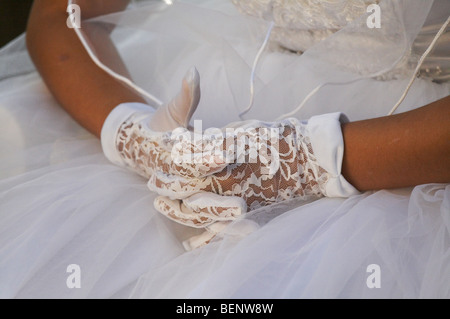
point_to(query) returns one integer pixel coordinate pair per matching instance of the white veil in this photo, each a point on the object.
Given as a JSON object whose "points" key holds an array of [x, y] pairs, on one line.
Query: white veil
{"points": [[159, 41]]}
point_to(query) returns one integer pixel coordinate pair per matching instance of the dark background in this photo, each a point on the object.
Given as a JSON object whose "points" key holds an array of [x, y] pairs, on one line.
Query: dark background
{"points": [[13, 18]]}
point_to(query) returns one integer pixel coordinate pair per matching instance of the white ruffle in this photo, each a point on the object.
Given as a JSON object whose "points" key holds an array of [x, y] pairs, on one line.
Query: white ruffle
{"points": [[328, 145]]}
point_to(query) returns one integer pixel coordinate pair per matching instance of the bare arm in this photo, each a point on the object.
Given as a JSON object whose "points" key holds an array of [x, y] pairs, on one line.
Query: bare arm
{"points": [[85, 91], [402, 150]]}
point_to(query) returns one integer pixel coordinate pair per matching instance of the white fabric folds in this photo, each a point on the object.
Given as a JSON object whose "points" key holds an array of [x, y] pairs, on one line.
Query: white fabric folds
{"points": [[63, 203]]}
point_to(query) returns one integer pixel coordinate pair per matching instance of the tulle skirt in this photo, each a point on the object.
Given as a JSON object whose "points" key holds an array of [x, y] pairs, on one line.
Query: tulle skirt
{"points": [[62, 203]]}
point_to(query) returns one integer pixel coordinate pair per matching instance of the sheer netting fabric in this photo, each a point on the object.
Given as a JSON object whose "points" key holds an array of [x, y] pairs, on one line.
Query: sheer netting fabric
{"points": [[303, 23], [330, 35]]}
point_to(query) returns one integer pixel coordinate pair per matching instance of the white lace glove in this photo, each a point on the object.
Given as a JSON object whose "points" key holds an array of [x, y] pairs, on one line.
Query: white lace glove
{"points": [[138, 137]]}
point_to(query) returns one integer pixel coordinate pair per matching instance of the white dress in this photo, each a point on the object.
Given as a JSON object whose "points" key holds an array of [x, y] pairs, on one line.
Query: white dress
{"points": [[62, 203]]}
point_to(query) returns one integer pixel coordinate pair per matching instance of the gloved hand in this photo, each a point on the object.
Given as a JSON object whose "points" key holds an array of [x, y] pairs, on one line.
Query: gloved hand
{"points": [[138, 137]]}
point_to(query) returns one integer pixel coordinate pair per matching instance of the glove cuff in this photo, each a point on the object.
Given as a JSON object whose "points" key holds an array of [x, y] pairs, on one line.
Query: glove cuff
{"points": [[327, 142], [110, 129]]}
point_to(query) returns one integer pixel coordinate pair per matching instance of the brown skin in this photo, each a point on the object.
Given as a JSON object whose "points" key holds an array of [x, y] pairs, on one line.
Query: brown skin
{"points": [[85, 91], [403, 150]]}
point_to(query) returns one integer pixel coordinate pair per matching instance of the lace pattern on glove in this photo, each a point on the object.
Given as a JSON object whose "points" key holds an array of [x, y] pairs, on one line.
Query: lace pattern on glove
{"points": [[148, 152], [248, 173]]}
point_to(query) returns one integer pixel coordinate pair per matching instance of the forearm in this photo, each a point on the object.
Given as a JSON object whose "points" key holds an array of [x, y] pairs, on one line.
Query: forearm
{"points": [[403, 150], [85, 91]]}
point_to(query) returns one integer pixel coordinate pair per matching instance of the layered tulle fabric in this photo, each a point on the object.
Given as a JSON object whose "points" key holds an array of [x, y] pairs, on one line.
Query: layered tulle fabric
{"points": [[63, 203], [322, 250]]}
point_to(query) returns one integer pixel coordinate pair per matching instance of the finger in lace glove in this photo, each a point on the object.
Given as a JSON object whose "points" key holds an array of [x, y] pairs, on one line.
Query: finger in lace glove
{"points": [[201, 209]]}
